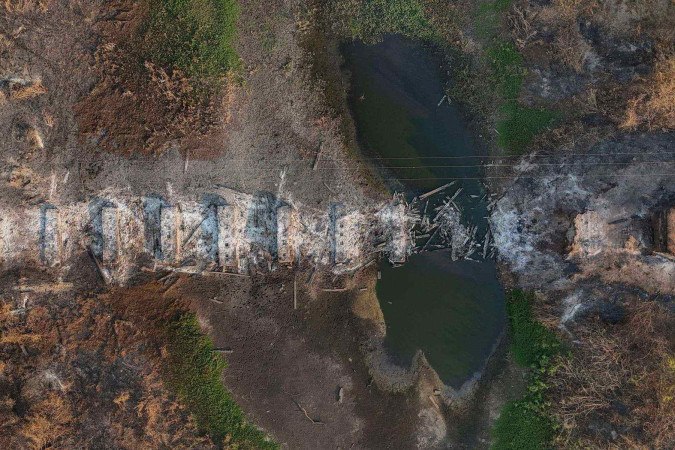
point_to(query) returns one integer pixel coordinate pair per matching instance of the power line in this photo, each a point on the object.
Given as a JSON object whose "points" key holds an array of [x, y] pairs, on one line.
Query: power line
{"points": [[269, 177], [563, 155], [628, 175], [382, 158], [457, 166]]}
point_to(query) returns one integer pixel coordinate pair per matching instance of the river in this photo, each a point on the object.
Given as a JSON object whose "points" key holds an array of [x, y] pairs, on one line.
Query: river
{"points": [[452, 310]]}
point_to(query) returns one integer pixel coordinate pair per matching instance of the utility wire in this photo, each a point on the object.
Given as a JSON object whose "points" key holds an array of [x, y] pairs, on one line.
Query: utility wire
{"points": [[458, 166], [381, 158], [491, 177], [627, 175]]}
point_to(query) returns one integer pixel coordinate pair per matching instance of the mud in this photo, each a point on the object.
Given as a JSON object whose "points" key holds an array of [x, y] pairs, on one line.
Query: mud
{"points": [[283, 360]]}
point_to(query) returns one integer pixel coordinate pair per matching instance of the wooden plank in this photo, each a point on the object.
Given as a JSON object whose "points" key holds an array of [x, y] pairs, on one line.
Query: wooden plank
{"points": [[437, 190]]}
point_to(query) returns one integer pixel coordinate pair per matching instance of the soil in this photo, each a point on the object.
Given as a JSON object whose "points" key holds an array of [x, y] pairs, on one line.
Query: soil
{"points": [[283, 360]]}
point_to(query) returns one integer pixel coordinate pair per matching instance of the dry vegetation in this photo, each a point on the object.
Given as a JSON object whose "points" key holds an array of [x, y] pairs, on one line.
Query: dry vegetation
{"points": [[569, 44], [597, 37], [137, 103], [617, 389], [162, 73], [67, 368], [140, 108], [24, 6], [654, 108]]}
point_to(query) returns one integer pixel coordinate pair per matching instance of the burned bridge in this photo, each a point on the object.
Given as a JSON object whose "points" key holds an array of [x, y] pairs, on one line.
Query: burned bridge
{"points": [[227, 231]]}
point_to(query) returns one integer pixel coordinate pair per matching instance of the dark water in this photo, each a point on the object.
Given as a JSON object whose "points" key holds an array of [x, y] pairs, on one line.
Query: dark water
{"points": [[453, 311]]}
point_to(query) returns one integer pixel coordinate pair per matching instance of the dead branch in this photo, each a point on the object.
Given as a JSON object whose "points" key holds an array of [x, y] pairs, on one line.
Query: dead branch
{"points": [[305, 413]]}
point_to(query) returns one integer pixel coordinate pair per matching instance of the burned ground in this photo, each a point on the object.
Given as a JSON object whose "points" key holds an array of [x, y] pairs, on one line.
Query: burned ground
{"points": [[84, 370], [616, 388]]}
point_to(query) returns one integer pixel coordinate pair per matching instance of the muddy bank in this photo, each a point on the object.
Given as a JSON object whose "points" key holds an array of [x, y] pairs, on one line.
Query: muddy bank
{"points": [[298, 372]]}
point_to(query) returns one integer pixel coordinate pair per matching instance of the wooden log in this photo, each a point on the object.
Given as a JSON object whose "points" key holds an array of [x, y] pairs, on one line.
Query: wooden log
{"points": [[437, 190]]}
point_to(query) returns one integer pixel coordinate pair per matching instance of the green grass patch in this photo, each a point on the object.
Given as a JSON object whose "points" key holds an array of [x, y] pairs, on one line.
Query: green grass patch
{"points": [[193, 371], [507, 69], [374, 18], [195, 36], [519, 125], [530, 340], [520, 427], [524, 423]]}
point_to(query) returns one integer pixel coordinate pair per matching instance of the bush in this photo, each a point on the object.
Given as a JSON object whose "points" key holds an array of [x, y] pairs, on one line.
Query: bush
{"points": [[530, 340], [193, 372], [195, 36], [519, 427], [525, 423]]}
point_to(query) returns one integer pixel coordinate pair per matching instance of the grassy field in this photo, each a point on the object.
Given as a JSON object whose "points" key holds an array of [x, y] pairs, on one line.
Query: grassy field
{"points": [[194, 36], [194, 372], [524, 423], [368, 20]]}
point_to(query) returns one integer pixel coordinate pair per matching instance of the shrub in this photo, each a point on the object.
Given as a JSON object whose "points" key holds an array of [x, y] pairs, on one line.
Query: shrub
{"points": [[530, 340], [520, 427]]}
